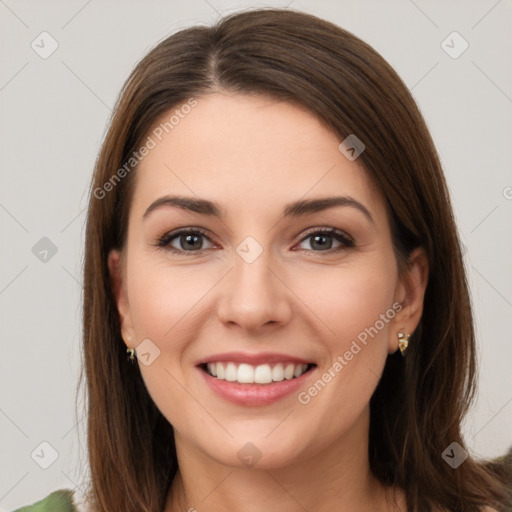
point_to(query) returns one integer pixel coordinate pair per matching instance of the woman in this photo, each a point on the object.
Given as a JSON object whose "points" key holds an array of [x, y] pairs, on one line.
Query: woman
{"points": [[270, 239]]}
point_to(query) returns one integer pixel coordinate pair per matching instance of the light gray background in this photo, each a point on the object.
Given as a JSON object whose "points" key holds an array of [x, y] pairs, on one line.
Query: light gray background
{"points": [[54, 114]]}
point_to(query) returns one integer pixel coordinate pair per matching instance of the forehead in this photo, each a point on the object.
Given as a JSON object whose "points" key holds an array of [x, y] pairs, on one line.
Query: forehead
{"points": [[251, 153]]}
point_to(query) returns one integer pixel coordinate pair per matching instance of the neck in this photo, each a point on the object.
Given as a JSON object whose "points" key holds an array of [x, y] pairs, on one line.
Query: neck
{"points": [[338, 478]]}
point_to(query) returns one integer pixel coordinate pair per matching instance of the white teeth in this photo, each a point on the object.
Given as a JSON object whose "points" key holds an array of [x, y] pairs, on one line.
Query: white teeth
{"points": [[278, 373], [231, 373], [288, 371], [221, 374], [212, 368], [245, 374], [299, 370], [261, 374]]}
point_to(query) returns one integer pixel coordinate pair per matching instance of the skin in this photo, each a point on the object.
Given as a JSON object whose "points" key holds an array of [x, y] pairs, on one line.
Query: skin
{"points": [[253, 155]]}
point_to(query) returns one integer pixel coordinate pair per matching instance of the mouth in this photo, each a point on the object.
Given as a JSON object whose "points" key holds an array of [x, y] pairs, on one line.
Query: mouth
{"points": [[255, 379], [267, 373]]}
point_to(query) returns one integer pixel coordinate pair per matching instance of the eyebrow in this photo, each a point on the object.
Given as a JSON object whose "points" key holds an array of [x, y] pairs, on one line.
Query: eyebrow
{"points": [[294, 209]]}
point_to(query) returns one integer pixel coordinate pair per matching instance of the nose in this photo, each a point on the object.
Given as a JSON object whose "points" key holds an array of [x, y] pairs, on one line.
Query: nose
{"points": [[254, 296]]}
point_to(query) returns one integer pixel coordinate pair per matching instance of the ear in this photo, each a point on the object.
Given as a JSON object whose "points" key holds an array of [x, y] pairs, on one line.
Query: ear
{"points": [[115, 266], [410, 293]]}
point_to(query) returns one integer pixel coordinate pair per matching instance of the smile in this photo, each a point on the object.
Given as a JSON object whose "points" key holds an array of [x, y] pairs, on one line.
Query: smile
{"points": [[255, 380], [244, 373]]}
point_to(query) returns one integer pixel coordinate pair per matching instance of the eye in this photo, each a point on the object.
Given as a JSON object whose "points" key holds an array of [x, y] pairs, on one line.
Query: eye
{"points": [[191, 241], [322, 240], [187, 240]]}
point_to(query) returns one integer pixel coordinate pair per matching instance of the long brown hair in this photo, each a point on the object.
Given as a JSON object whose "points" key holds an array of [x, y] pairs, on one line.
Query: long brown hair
{"points": [[418, 406]]}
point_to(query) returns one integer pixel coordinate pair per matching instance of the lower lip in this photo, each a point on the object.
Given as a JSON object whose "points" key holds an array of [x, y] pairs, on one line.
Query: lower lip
{"points": [[255, 394]]}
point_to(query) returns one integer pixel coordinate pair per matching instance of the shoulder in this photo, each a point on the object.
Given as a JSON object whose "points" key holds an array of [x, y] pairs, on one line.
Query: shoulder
{"points": [[63, 500]]}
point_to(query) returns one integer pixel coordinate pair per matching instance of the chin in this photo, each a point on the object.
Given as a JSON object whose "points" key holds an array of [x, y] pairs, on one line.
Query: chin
{"points": [[257, 455]]}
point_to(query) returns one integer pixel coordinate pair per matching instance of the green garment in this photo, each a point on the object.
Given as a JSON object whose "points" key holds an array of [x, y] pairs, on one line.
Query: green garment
{"points": [[58, 501]]}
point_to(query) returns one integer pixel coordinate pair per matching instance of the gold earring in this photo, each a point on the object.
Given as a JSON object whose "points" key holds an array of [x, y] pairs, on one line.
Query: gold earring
{"points": [[131, 354], [403, 342]]}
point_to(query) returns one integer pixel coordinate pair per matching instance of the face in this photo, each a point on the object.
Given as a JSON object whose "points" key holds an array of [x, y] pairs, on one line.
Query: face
{"points": [[305, 302]]}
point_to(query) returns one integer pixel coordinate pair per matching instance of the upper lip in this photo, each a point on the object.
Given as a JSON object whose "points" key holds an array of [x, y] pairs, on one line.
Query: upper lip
{"points": [[253, 359]]}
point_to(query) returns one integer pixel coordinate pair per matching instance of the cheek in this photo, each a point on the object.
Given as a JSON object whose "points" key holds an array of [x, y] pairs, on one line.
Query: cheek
{"points": [[355, 305], [349, 300], [163, 299], [163, 303]]}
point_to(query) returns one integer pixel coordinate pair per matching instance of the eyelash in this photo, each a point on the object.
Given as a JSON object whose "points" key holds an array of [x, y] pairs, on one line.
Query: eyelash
{"points": [[346, 241]]}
